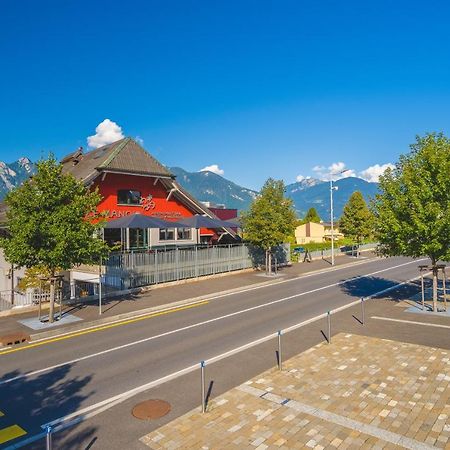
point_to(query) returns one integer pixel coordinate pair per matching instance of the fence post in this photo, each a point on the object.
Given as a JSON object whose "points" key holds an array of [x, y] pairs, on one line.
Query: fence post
{"points": [[48, 438], [196, 262], [100, 288], [280, 359], [156, 267], [329, 326], [177, 262], [362, 311], [202, 374], [229, 257]]}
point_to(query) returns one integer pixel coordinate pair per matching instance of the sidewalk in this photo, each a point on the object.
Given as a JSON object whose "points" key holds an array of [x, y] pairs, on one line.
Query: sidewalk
{"points": [[165, 296], [359, 392]]}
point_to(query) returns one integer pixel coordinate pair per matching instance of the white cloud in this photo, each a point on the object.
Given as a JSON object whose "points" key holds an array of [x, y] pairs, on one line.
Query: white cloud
{"points": [[105, 133], [373, 173], [139, 140], [338, 170], [212, 168]]}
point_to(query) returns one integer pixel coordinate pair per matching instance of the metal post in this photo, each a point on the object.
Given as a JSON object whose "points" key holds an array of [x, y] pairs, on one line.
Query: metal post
{"points": [[12, 284], [60, 297], [48, 438], [177, 262], [423, 290], [40, 300], [100, 288], [329, 326], [332, 221], [196, 261], [362, 311], [280, 360], [156, 267], [202, 372]]}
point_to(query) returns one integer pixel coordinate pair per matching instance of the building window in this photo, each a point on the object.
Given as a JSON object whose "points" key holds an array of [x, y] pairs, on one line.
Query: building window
{"points": [[183, 234], [137, 237], [167, 234], [128, 197]]}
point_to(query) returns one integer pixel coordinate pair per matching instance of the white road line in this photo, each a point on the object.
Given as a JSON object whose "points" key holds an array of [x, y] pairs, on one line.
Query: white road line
{"points": [[97, 408], [228, 294], [206, 322], [436, 325], [338, 419]]}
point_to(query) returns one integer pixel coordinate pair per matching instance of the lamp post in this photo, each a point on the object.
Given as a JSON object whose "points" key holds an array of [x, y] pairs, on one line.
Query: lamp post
{"points": [[333, 188]]}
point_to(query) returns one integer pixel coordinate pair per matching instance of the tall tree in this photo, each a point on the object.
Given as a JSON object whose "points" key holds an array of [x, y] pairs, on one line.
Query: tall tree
{"points": [[48, 226], [356, 221], [311, 216], [270, 220], [413, 208]]}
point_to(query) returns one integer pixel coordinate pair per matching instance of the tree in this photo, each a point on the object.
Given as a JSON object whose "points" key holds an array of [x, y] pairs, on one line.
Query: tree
{"points": [[412, 210], [356, 221], [48, 224], [270, 220], [311, 216]]}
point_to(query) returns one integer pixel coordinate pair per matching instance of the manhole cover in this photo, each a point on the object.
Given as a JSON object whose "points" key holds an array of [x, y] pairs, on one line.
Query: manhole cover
{"points": [[151, 409]]}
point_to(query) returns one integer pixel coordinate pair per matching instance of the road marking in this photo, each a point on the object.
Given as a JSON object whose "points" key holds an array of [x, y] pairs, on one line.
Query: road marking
{"points": [[12, 432], [195, 325], [215, 297], [104, 405], [338, 419], [240, 291], [436, 325], [101, 328]]}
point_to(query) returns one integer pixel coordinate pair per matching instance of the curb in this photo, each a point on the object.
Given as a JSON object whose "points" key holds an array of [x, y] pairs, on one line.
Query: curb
{"points": [[160, 308], [141, 312]]}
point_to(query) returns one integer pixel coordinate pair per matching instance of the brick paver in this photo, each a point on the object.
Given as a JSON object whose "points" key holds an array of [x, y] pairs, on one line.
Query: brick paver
{"points": [[358, 392]]}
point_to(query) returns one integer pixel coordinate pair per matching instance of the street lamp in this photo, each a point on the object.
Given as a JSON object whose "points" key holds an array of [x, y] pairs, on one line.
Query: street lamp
{"points": [[333, 188]]}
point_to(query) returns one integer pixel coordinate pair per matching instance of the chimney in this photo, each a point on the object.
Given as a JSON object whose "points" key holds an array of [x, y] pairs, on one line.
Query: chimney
{"points": [[78, 156]]}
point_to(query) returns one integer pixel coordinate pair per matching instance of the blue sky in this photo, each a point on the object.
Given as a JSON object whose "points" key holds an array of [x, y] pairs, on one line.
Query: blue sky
{"points": [[258, 88]]}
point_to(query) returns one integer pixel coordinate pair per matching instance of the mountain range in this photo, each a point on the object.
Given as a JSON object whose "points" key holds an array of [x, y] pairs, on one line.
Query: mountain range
{"points": [[14, 174], [209, 187], [310, 192]]}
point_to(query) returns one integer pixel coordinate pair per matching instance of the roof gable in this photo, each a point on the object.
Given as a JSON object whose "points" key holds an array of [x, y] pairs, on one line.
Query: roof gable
{"points": [[125, 156]]}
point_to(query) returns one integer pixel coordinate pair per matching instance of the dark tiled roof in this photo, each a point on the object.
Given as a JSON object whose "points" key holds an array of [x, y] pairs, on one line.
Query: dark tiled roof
{"points": [[125, 155]]}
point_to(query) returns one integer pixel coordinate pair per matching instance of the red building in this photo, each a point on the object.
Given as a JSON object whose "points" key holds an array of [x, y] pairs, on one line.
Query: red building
{"points": [[131, 181]]}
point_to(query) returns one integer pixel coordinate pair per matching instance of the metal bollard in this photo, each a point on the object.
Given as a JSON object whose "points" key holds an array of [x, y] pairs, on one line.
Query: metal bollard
{"points": [[423, 291], [363, 318], [329, 326], [280, 360], [202, 371], [48, 438]]}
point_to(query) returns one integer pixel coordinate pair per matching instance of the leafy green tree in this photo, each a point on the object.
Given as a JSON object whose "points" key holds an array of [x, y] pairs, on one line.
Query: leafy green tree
{"points": [[48, 225], [356, 221], [412, 210], [311, 216], [270, 220]]}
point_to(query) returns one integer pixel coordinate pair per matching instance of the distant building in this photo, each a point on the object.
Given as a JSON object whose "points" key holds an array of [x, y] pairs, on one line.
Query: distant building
{"points": [[316, 232], [219, 210]]}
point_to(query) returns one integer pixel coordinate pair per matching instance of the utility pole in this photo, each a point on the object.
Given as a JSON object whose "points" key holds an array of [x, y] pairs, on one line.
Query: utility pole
{"points": [[332, 219], [333, 188]]}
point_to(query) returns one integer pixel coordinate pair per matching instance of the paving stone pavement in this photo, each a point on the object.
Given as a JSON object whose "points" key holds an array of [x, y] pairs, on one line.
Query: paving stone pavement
{"points": [[355, 393]]}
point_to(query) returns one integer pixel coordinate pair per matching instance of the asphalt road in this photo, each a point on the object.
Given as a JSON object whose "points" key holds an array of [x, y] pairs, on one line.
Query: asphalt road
{"points": [[41, 384]]}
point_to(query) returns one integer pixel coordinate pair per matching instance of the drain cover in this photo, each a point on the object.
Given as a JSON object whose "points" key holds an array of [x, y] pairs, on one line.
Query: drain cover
{"points": [[151, 409]]}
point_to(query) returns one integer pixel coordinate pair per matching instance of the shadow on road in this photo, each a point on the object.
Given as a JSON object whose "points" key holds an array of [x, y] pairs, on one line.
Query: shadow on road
{"points": [[34, 401], [363, 287]]}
